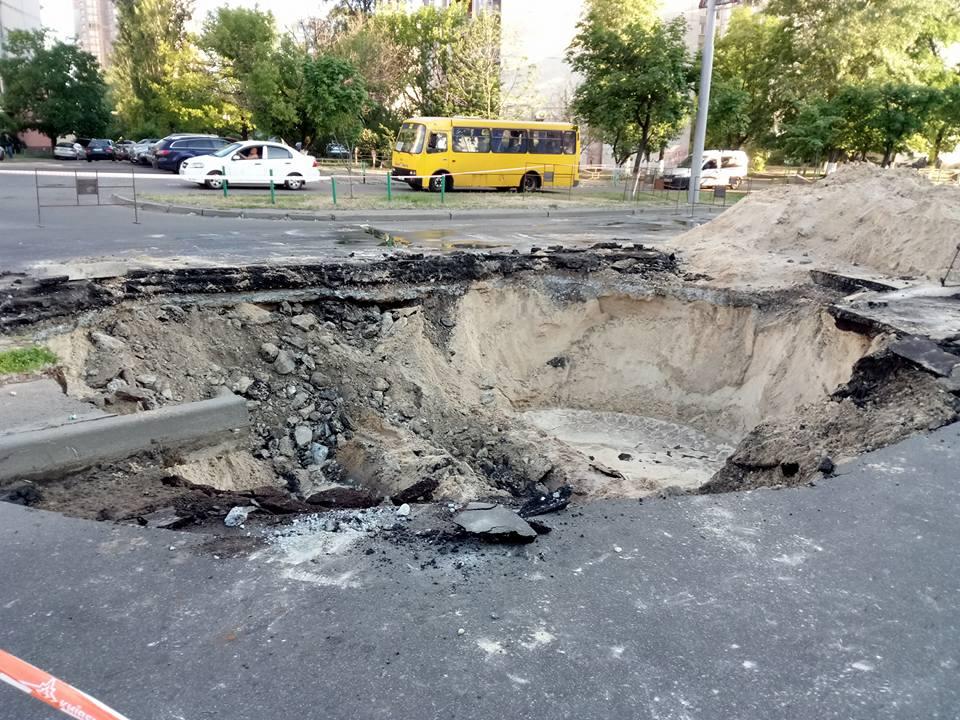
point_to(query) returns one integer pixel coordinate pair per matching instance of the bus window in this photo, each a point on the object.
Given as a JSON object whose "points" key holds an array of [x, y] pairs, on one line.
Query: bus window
{"points": [[471, 140], [437, 143], [569, 142], [546, 142], [410, 138], [509, 141]]}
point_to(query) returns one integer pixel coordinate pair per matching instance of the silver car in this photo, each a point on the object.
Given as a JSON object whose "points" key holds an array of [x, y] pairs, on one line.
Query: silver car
{"points": [[139, 151], [68, 151]]}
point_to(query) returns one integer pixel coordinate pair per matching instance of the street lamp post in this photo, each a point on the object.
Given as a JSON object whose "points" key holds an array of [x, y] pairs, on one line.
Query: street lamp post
{"points": [[703, 101]]}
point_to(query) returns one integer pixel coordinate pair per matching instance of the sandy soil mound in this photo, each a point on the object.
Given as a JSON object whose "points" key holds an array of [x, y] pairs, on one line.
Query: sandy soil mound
{"points": [[893, 222]]}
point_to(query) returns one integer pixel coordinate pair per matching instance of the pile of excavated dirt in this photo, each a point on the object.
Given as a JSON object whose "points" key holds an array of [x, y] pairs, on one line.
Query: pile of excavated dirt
{"points": [[863, 218]]}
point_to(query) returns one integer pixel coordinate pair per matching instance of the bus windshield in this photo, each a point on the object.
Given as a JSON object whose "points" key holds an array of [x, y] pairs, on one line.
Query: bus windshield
{"points": [[410, 138]]}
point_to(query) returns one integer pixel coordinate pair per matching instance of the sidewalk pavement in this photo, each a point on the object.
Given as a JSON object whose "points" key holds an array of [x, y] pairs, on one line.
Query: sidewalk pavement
{"points": [[361, 216]]}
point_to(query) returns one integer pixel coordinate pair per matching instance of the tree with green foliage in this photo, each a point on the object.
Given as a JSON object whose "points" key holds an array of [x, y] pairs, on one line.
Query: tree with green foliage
{"points": [[942, 129], [450, 59], [813, 133], [730, 117], [858, 120], [343, 12], [637, 79], [54, 88], [242, 43], [901, 111], [829, 45], [795, 53], [160, 81], [335, 97], [746, 97]]}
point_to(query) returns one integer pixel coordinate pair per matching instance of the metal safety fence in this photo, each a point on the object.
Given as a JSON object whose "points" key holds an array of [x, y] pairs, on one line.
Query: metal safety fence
{"points": [[82, 189]]}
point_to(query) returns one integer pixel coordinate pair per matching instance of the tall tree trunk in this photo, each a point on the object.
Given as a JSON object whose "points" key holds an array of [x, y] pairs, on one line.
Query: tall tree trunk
{"points": [[937, 147], [641, 151]]}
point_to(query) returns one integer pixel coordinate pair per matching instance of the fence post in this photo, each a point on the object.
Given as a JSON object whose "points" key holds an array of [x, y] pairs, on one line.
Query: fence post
{"points": [[443, 190], [389, 187], [223, 171], [136, 211], [333, 188], [273, 190], [36, 184], [350, 180]]}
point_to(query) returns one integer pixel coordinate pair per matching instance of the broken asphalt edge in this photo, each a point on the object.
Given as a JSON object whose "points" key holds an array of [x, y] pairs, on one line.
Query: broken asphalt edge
{"points": [[55, 451], [363, 215]]}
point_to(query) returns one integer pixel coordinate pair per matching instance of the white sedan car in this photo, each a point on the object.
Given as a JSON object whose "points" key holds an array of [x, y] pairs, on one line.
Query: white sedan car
{"points": [[68, 151], [252, 162]]}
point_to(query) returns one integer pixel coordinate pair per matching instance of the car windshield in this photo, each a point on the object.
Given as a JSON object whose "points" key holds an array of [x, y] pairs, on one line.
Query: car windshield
{"points": [[410, 138], [227, 150]]}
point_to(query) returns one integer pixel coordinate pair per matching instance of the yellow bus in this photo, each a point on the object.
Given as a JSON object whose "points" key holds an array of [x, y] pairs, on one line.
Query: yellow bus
{"points": [[470, 152]]}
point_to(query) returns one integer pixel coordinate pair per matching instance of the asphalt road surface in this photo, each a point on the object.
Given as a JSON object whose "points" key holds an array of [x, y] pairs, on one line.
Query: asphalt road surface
{"points": [[95, 233], [834, 602]]}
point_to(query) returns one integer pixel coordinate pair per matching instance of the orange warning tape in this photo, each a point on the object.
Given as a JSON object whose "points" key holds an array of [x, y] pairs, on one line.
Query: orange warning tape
{"points": [[54, 692]]}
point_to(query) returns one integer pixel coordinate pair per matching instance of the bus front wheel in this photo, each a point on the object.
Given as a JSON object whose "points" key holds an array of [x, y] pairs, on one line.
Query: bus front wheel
{"points": [[529, 182], [439, 180]]}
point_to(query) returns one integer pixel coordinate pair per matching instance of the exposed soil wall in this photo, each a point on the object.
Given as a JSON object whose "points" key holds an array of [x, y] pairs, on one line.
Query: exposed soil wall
{"points": [[719, 368]]}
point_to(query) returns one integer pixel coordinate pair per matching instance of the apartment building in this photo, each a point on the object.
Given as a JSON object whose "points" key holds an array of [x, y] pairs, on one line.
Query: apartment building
{"points": [[95, 25]]}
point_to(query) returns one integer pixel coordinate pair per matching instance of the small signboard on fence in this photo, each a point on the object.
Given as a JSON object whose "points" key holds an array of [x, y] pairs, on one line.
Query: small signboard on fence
{"points": [[720, 191], [88, 186]]}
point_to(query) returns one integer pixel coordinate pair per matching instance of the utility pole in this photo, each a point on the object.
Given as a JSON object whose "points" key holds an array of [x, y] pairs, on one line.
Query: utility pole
{"points": [[703, 101]]}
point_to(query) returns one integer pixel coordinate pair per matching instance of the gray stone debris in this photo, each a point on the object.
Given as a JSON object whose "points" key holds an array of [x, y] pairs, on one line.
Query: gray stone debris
{"points": [[269, 352], [238, 515], [107, 342], [304, 322], [302, 435], [242, 384], [284, 364], [147, 380], [494, 522]]}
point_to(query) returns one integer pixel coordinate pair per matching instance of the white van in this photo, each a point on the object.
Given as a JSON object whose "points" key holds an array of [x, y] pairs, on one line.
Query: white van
{"points": [[720, 167]]}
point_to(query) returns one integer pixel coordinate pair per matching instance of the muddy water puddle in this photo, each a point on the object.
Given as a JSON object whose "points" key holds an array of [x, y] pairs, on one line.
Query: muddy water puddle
{"points": [[644, 450]]}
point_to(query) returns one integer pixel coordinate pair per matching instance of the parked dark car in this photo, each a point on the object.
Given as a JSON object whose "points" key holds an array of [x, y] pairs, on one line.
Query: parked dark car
{"points": [[100, 150], [173, 150]]}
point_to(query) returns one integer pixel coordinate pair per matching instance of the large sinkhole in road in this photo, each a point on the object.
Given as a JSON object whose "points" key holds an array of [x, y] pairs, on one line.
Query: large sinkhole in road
{"points": [[464, 390], [652, 391]]}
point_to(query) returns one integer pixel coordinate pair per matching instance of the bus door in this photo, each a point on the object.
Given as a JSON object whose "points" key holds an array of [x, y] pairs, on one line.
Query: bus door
{"points": [[546, 150], [471, 157]]}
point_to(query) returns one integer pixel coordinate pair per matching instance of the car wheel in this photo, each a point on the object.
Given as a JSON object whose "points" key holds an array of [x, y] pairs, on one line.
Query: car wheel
{"points": [[441, 180], [529, 182], [735, 182], [215, 180], [294, 182]]}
